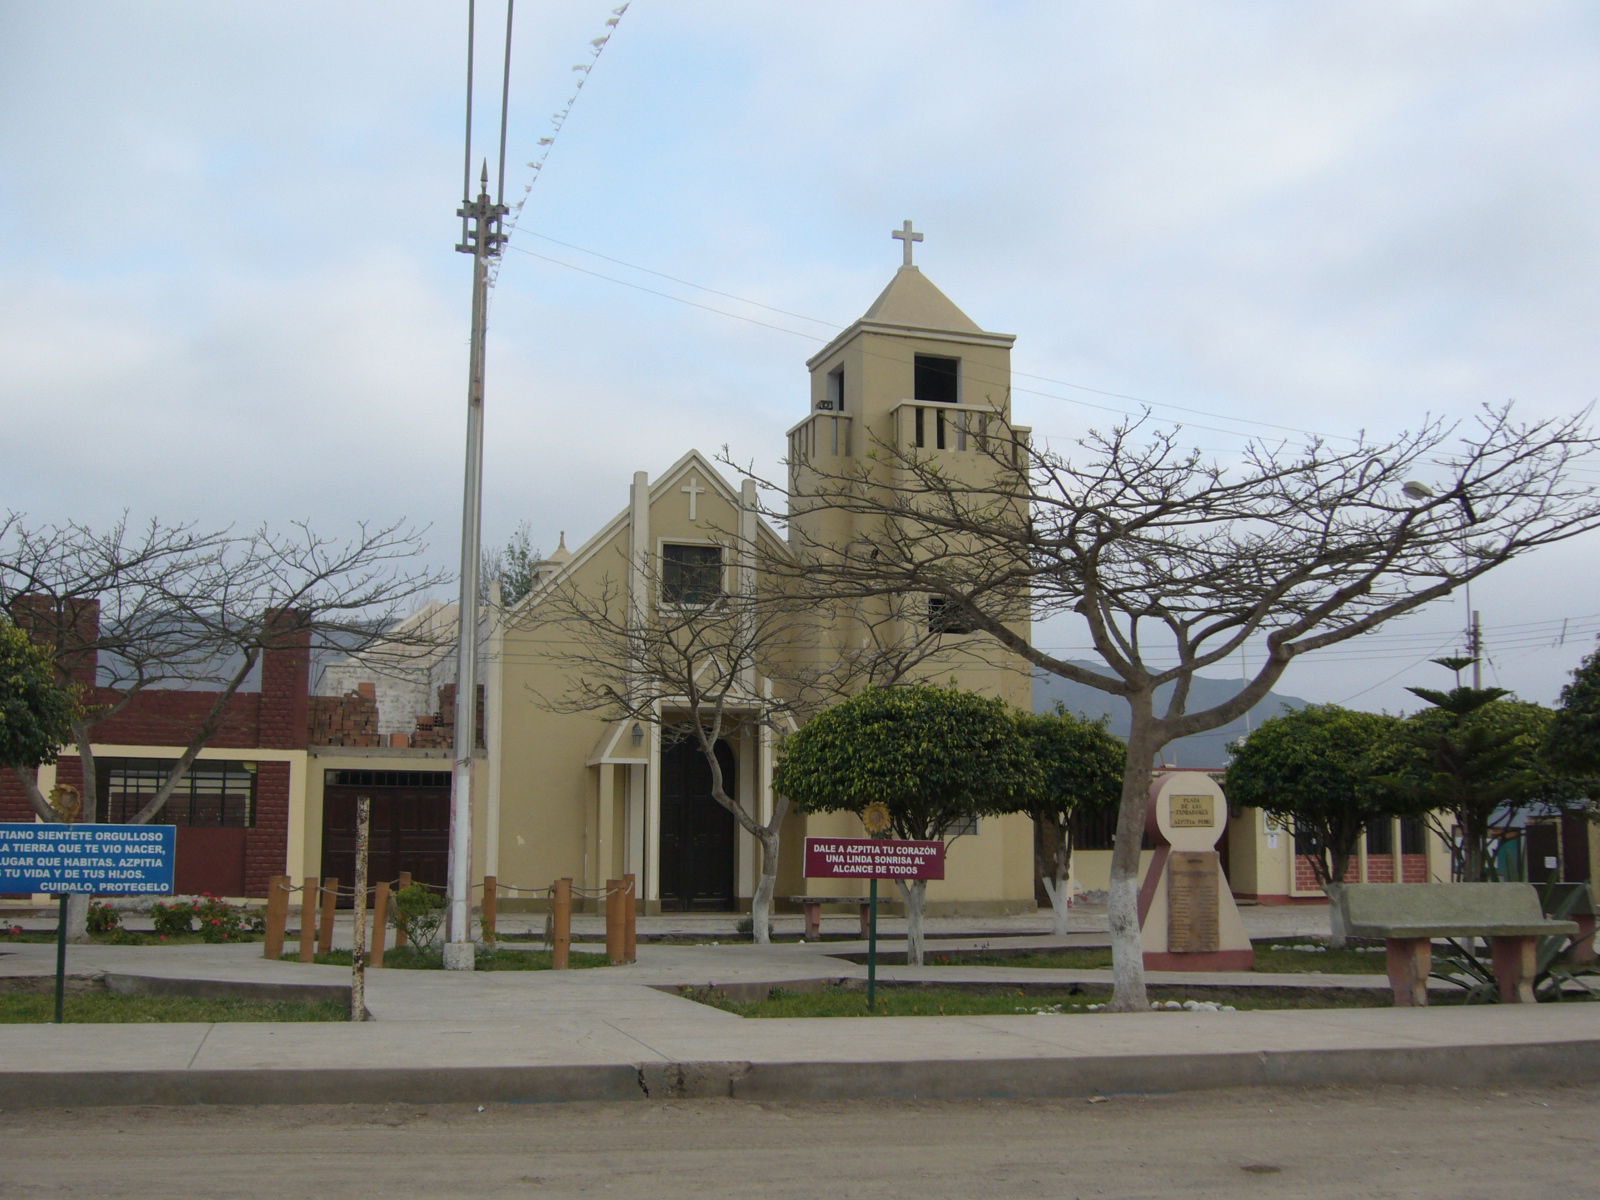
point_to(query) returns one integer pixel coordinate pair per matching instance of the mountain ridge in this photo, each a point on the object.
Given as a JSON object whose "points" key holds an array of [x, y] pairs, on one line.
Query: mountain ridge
{"points": [[1199, 751]]}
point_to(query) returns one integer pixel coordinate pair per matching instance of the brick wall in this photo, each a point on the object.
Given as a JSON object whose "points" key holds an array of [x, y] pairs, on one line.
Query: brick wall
{"points": [[69, 624], [1305, 874], [1380, 868], [266, 844], [1413, 868], [285, 682], [277, 717], [273, 718], [347, 720], [438, 731], [164, 717]]}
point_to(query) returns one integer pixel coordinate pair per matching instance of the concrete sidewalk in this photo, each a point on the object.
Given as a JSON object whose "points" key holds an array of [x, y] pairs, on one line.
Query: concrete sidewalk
{"points": [[622, 1033]]}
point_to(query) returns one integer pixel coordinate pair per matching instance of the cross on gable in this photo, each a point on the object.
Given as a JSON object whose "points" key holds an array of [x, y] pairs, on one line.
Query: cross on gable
{"points": [[695, 492], [906, 235]]}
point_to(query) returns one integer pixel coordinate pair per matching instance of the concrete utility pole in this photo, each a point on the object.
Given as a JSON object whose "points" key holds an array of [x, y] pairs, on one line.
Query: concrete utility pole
{"points": [[482, 239]]}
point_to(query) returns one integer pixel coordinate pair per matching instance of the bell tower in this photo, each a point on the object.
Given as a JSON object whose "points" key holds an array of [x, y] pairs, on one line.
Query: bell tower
{"points": [[913, 371], [913, 377]]}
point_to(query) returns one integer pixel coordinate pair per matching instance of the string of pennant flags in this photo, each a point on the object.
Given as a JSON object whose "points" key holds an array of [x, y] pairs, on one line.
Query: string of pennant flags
{"points": [[557, 120]]}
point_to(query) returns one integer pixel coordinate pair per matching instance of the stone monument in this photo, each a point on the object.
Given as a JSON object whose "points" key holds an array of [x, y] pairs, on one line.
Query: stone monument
{"points": [[1187, 917]]}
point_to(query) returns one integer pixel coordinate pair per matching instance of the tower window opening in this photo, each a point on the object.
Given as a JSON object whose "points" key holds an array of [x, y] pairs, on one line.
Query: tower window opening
{"points": [[945, 616], [936, 380]]}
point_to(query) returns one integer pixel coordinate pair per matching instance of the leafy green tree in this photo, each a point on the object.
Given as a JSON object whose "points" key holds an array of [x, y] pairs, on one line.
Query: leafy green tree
{"points": [[1082, 762], [1320, 769], [936, 757], [36, 712], [1574, 741], [1473, 754], [514, 565]]}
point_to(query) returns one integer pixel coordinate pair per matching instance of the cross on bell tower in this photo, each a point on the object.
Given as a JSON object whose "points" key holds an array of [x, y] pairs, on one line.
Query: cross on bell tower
{"points": [[906, 235]]}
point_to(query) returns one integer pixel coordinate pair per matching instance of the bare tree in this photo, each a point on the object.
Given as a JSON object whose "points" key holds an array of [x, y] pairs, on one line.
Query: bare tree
{"points": [[705, 666], [1174, 562], [130, 609]]}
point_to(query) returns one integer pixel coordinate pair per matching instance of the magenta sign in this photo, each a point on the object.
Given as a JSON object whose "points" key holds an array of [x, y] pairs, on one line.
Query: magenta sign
{"points": [[873, 858]]}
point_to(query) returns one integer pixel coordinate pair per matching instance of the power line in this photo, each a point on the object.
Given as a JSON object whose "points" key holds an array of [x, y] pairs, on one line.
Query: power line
{"points": [[1109, 394]]}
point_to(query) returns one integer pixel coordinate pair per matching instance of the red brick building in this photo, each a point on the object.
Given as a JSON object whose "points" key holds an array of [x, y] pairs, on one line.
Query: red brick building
{"points": [[233, 808]]}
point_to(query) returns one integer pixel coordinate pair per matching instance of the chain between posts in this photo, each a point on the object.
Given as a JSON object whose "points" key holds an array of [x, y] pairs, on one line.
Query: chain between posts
{"points": [[319, 899]]}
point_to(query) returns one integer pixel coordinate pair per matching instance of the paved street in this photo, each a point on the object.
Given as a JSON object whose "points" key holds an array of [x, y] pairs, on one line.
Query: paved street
{"points": [[1288, 1144]]}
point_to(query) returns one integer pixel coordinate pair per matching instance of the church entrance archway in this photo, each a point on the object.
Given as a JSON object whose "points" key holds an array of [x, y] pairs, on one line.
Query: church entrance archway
{"points": [[698, 835]]}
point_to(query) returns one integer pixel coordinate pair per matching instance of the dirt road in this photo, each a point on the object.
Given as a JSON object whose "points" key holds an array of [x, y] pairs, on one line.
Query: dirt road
{"points": [[1340, 1143]]}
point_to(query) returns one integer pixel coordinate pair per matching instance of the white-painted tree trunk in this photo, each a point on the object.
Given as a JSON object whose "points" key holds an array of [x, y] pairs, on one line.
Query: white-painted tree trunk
{"points": [[916, 893], [78, 917], [1122, 903], [761, 902], [1338, 936], [1060, 910]]}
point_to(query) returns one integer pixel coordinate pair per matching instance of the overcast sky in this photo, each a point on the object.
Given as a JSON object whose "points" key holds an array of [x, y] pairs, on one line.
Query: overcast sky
{"points": [[228, 290]]}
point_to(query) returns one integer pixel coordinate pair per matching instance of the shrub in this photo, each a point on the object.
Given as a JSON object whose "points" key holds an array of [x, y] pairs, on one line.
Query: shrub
{"points": [[103, 918], [218, 920], [172, 920], [417, 911]]}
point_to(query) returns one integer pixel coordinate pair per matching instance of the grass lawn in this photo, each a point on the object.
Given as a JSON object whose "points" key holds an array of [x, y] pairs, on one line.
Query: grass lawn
{"points": [[105, 1008], [1334, 962], [409, 958], [963, 1002]]}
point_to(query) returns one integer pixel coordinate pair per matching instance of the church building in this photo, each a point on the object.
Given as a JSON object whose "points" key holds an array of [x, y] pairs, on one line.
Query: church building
{"points": [[596, 794]]}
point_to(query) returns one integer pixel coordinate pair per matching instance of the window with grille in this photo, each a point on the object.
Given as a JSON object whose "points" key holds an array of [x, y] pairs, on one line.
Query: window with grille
{"points": [[212, 793], [1413, 836]]}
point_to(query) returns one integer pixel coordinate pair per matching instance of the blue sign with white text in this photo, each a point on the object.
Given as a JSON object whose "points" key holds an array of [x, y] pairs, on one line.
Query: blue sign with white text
{"points": [[120, 860]]}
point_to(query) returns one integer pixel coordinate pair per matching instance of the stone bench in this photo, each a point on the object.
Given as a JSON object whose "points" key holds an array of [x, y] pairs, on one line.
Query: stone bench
{"points": [[812, 907], [1408, 916]]}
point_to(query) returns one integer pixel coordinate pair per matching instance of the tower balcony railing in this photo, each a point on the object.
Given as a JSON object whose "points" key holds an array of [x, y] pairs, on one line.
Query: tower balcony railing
{"points": [[917, 426], [923, 425], [824, 433]]}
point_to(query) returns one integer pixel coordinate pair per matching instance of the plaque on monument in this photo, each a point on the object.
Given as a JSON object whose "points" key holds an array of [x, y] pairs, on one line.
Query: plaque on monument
{"points": [[1192, 812], [1193, 918]]}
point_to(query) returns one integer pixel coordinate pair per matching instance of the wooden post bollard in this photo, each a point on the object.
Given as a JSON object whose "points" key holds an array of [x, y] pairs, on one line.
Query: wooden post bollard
{"points": [[380, 921], [277, 916], [358, 912], [330, 900], [614, 921], [308, 918], [630, 919], [491, 909], [561, 943], [400, 938]]}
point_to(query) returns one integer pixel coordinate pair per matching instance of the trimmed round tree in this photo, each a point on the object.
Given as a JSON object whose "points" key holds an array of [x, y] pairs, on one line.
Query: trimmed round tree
{"points": [[936, 757], [1574, 737], [1318, 770], [1082, 762], [36, 712]]}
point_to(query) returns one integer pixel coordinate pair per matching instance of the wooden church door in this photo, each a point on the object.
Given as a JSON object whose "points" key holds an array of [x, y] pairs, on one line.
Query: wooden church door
{"points": [[697, 834]]}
